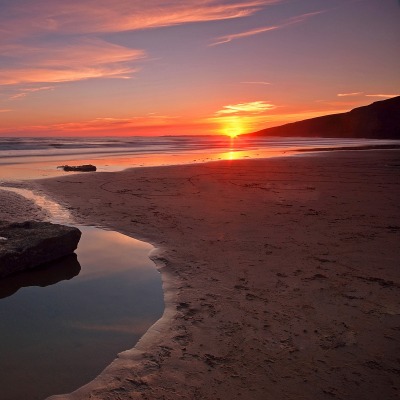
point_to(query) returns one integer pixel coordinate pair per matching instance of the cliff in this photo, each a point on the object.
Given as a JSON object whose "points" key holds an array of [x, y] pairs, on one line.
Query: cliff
{"points": [[379, 120]]}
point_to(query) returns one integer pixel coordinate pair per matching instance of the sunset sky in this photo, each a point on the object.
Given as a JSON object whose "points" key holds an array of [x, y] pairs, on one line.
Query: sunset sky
{"points": [[133, 67]]}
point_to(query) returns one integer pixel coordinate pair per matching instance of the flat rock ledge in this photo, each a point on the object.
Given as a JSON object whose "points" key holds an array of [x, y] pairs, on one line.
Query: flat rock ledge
{"points": [[30, 244]]}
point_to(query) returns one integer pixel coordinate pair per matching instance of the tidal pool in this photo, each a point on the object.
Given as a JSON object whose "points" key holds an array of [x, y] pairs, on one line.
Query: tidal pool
{"points": [[60, 326]]}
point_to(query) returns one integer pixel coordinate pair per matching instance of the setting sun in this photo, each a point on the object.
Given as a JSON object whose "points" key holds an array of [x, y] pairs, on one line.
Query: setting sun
{"points": [[233, 126]]}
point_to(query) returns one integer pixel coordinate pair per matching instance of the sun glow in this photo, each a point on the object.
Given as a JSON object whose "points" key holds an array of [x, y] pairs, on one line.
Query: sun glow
{"points": [[233, 126]]}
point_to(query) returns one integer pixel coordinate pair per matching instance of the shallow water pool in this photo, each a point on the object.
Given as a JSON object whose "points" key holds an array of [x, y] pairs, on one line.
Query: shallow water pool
{"points": [[61, 326]]}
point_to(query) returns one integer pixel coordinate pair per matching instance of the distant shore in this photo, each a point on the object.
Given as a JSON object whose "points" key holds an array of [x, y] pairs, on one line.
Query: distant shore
{"points": [[280, 276]]}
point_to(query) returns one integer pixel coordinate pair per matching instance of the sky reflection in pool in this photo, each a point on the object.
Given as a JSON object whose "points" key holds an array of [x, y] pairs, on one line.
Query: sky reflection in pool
{"points": [[56, 338]]}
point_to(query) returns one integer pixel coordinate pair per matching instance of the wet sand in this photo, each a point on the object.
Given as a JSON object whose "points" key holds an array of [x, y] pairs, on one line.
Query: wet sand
{"points": [[18, 209], [281, 276]]}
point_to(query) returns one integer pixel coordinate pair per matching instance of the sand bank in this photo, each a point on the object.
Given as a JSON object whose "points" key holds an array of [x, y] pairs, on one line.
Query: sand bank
{"points": [[281, 276]]}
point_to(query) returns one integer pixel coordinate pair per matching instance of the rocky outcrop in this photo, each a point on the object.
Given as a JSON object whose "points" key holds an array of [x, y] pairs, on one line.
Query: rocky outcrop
{"points": [[30, 244], [379, 120], [79, 168]]}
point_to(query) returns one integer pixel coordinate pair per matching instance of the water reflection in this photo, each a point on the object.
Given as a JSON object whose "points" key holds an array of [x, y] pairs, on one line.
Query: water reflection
{"points": [[56, 338], [48, 274], [30, 158]]}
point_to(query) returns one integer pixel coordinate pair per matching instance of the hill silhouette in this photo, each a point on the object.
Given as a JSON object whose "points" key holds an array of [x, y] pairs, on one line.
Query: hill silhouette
{"points": [[379, 120]]}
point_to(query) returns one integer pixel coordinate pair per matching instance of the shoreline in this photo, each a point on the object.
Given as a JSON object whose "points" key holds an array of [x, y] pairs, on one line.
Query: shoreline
{"points": [[47, 167], [277, 310]]}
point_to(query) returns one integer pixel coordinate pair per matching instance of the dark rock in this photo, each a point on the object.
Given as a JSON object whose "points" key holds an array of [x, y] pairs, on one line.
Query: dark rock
{"points": [[30, 244], [81, 168], [379, 120]]}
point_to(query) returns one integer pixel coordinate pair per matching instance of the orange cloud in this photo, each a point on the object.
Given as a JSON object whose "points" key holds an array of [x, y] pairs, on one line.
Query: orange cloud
{"points": [[254, 107], [77, 61], [92, 58], [104, 124], [91, 16], [236, 119], [256, 83], [350, 94], [385, 96], [61, 75], [148, 125], [257, 31]]}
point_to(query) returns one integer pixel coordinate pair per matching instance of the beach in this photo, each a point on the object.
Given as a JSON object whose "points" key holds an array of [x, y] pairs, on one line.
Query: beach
{"points": [[280, 275]]}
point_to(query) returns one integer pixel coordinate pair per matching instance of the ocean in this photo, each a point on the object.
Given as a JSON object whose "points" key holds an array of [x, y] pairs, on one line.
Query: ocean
{"points": [[37, 157]]}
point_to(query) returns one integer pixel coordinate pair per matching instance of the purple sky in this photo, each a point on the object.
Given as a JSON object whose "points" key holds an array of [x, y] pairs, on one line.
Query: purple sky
{"points": [[129, 67]]}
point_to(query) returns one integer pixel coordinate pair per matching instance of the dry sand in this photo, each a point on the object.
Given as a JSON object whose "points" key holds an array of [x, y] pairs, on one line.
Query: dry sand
{"points": [[281, 276]]}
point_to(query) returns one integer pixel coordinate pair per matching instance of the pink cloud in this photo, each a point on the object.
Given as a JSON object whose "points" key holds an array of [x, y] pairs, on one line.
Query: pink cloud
{"points": [[26, 91], [81, 60], [93, 16], [26, 23], [257, 31]]}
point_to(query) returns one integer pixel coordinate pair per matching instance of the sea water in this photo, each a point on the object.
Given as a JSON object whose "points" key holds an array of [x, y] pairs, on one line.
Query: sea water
{"points": [[39, 157]]}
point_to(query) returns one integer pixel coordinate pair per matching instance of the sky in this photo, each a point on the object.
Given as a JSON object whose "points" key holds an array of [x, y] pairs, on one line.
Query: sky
{"points": [[133, 67]]}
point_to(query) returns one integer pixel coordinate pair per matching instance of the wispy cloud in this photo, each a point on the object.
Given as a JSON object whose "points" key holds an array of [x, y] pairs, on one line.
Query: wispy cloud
{"points": [[350, 94], [94, 16], [256, 83], [386, 96], [229, 38], [254, 107], [5, 110], [38, 39], [257, 31], [26, 91], [76, 61]]}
